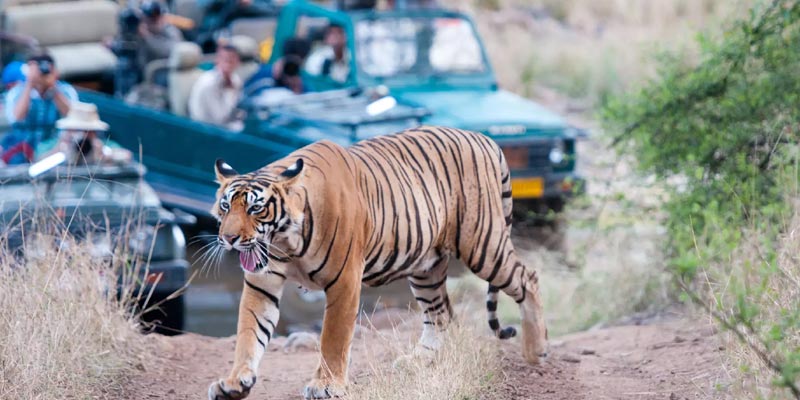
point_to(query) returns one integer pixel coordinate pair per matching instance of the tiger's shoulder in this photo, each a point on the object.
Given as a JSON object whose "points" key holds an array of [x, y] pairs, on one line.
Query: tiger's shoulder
{"points": [[320, 155]]}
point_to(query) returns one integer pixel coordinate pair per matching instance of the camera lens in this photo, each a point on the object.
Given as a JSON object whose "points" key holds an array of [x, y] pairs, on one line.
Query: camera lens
{"points": [[291, 69], [291, 66], [45, 67]]}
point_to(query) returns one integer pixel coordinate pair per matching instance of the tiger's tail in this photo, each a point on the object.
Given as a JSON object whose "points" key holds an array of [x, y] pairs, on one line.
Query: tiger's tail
{"points": [[494, 324], [492, 294]]}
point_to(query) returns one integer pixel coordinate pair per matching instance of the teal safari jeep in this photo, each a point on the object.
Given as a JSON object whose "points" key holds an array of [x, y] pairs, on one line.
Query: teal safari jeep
{"points": [[434, 59], [430, 63]]}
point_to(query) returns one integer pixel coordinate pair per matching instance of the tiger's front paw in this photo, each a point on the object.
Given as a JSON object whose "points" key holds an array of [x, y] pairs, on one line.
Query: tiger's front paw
{"points": [[233, 388], [322, 389]]}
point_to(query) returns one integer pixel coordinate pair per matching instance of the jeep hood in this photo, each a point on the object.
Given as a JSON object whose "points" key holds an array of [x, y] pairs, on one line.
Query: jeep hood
{"points": [[481, 109]]}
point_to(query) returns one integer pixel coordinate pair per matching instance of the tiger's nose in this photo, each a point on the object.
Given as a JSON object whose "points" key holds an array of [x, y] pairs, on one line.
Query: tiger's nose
{"points": [[229, 239]]}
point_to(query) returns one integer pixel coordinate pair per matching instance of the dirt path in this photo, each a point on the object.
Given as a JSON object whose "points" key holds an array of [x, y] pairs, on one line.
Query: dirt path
{"points": [[670, 360]]}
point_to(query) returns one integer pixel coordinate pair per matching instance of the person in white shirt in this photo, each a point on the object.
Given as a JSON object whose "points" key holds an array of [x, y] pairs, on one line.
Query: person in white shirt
{"points": [[216, 93], [331, 60]]}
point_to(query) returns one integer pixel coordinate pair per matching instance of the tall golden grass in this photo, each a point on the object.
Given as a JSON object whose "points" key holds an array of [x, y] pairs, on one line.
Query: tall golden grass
{"points": [[777, 289], [586, 49], [465, 366], [64, 334]]}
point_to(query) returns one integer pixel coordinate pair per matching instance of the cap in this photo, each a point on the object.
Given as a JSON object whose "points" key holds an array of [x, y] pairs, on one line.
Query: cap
{"points": [[39, 57], [152, 8]]}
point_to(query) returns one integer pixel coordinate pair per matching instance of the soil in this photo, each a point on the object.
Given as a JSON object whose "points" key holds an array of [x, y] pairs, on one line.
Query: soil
{"points": [[667, 359]]}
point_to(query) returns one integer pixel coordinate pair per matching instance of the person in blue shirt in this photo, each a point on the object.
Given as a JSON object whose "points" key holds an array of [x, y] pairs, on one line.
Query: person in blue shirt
{"points": [[283, 73], [33, 107]]}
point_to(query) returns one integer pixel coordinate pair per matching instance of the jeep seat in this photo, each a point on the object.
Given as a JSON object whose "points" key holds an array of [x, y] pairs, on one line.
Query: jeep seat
{"points": [[259, 29], [247, 48], [71, 31], [183, 73]]}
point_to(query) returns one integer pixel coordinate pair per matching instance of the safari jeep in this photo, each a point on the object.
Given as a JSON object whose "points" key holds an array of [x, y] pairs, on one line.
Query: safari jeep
{"points": [[113, 208], [434, 59], [406, 67]]}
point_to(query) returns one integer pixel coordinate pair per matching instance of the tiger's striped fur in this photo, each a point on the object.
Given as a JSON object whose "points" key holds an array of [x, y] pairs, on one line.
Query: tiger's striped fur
{"points": [[391, 207]]}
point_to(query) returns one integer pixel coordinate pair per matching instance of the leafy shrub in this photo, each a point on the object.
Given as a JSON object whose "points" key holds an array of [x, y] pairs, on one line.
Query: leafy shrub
{"points": [[723, 132]]}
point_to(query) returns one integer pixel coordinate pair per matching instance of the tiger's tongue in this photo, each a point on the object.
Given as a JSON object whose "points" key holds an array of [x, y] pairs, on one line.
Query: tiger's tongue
{"points": [[248, 260]]}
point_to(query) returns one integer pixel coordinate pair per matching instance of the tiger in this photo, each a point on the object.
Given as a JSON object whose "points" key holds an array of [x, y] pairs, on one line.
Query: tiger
{"points": [[390, 207]]}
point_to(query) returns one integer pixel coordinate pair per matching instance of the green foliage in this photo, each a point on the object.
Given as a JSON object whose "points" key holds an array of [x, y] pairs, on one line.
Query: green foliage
{"points": [[724, 134], [720, 125]]}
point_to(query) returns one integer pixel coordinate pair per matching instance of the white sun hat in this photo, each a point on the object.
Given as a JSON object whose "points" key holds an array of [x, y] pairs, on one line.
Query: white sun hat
{"points": [[82, 117]]}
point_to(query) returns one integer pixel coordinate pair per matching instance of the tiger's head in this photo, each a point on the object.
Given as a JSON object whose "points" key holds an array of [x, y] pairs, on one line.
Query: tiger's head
{"points": [[257, 210]]}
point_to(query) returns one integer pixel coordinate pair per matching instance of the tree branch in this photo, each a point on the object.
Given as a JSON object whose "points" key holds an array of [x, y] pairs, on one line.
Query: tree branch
{"points": [[774, 365]]}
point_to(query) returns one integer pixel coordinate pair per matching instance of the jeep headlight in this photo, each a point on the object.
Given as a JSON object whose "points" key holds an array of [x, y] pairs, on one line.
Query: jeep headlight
{"points": [[151, 243], [141, 241], [557, 155]]}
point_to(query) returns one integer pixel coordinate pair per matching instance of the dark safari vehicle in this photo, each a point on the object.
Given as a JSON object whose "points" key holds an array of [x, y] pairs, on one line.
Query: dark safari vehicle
{"points": [[404, 67], [105, 204]]}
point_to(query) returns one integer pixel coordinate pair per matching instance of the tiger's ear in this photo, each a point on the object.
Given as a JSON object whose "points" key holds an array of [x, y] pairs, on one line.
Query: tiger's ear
{"points": [[224, 171], [293, 171]]}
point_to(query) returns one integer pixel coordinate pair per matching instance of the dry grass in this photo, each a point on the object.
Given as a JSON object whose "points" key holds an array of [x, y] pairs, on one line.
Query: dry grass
{"points": [[613, 267], [63, 334], [611, 263], [587, 49], [465, 367], [775, 293]]}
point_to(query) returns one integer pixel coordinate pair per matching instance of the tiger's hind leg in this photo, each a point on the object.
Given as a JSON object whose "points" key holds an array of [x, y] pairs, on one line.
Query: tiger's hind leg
{"points": [[504, 271], [430, 291]]}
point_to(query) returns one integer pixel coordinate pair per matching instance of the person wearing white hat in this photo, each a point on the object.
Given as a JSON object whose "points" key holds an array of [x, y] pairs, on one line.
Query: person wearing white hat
{"points": [[79, 138]]}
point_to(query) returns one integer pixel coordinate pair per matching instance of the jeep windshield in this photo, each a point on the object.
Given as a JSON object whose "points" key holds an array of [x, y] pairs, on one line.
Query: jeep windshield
{"points": [[418, 47]]}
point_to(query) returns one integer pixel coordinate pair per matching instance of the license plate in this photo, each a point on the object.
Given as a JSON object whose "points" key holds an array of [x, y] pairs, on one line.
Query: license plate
{"points": [[527, 188]]}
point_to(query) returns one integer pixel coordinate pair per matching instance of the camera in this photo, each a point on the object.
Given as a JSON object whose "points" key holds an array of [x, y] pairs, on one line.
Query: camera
{"points": [[45, 67], [291, 65], [128, 21], [151, 9]]}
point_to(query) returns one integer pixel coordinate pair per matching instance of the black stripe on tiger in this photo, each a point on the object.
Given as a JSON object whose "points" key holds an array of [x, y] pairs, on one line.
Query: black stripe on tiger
{"points": [[262, 327], [266, 294]]}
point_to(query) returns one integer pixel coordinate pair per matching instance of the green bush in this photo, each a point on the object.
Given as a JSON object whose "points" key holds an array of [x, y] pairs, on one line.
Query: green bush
{"points": [[723, 134]]}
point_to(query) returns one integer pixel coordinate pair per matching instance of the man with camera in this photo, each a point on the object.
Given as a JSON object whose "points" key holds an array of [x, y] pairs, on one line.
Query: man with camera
{"points": [[33, 107], [284, 73], [158, 36]]}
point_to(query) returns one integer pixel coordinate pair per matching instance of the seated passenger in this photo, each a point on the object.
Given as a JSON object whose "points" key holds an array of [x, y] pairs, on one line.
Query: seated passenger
{"points": [[216, 93], [79, 138], [33, 107], [331, 60], [157, 36], [283, 73]]}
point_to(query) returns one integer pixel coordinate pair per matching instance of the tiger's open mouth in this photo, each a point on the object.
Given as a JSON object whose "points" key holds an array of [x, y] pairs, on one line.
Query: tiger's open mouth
{"points": [[250, 261]]}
